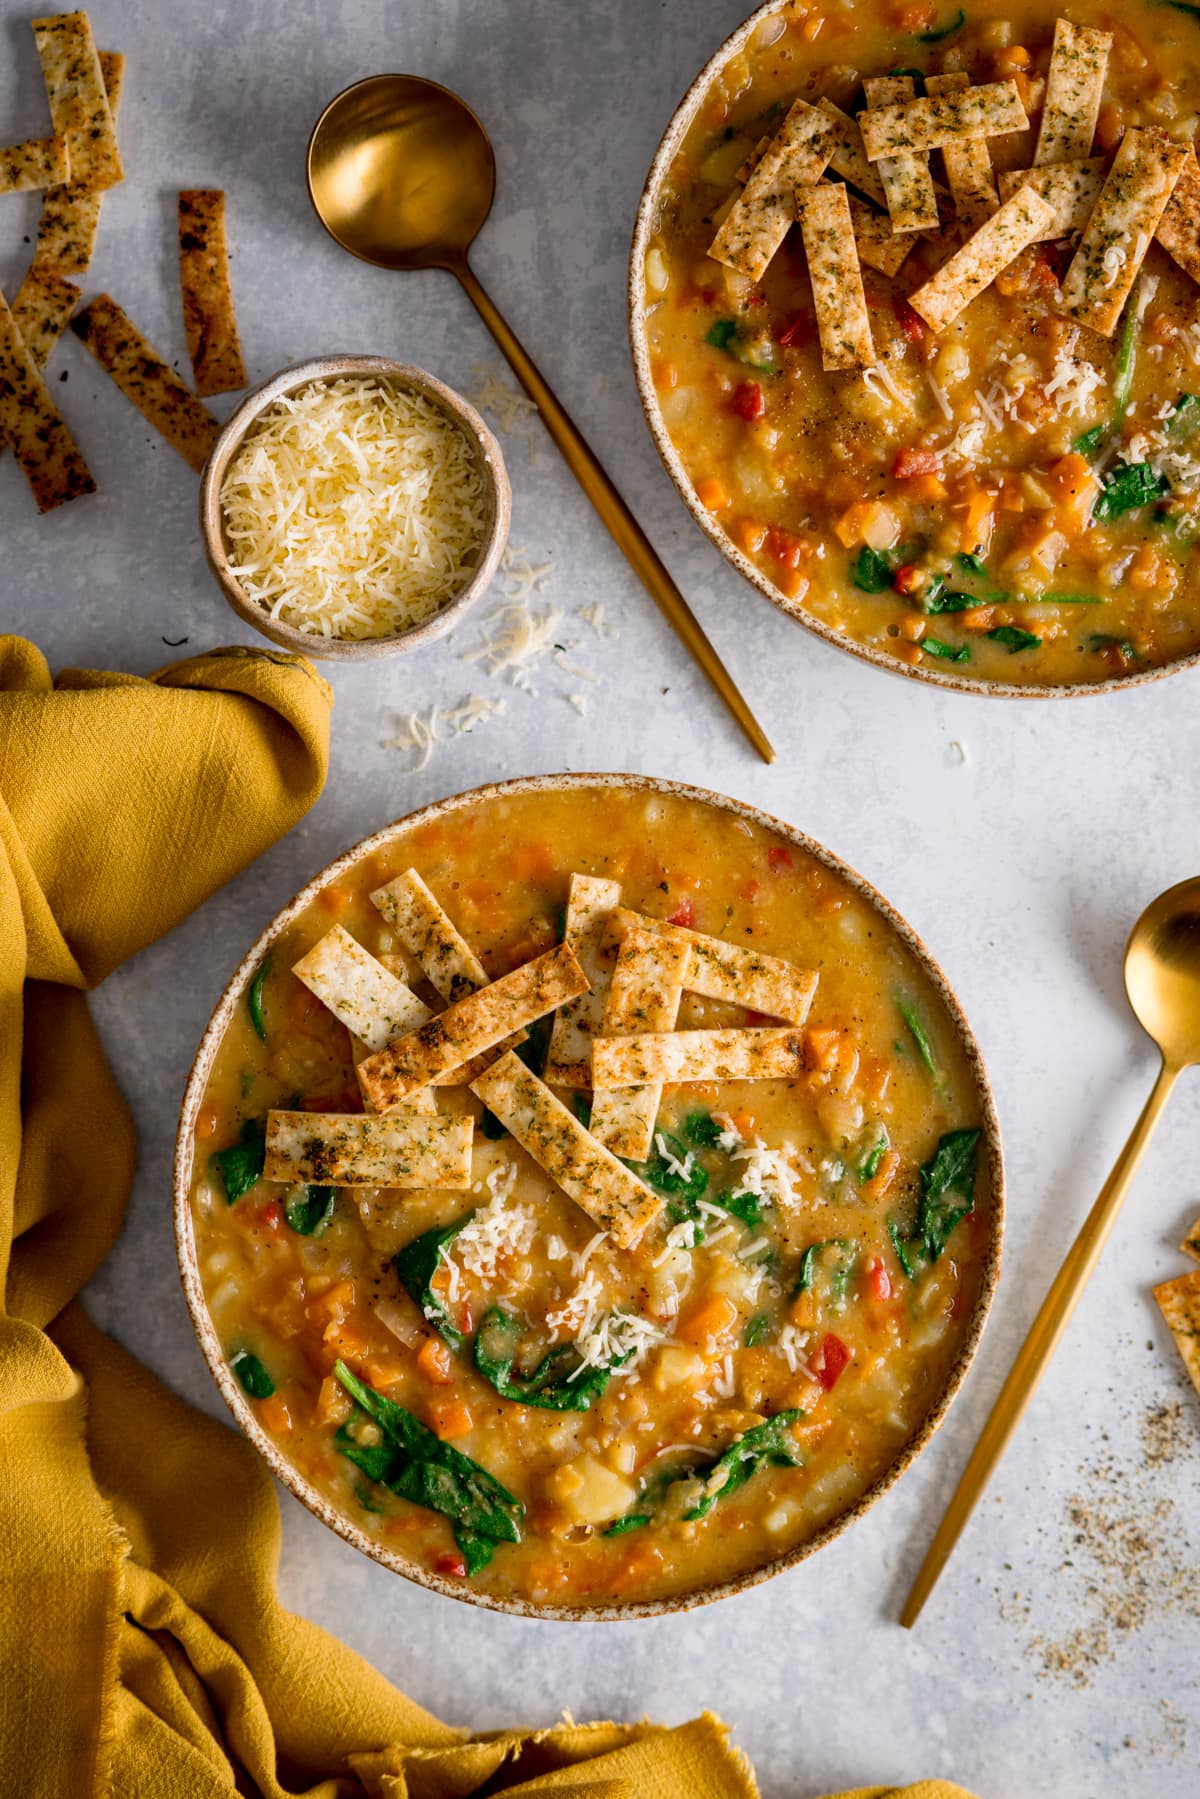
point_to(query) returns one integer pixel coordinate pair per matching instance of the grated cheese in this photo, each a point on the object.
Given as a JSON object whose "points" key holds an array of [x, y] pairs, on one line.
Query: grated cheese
{"points": [[793, 1344], [594, 616], [580, 703], [354, 509], [497, 1231], [422, 732], [612, 1339], [488, 393], [515, 637]]}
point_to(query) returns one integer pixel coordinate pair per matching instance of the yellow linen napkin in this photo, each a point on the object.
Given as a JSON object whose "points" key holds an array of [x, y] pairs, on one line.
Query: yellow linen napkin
{"points": [[142, 1647]]}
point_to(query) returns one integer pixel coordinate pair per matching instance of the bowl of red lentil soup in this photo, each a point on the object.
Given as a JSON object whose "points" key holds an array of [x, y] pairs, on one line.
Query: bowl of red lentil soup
{"points": [[720, 1202], [942, 406]]}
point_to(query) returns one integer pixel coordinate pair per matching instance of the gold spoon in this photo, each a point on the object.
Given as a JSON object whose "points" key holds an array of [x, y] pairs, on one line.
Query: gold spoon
{"points": [[1162, 979], [401, 173]]}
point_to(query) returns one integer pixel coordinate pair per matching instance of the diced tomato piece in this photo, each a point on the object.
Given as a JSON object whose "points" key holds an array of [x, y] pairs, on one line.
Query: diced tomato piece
{"points": [[779, 856], [272, 1215], [684, 914], [907, 578], [450, 1563], [831, 1359], [910, 322], [785, 547], [912, 461], [750, 890], [799, 331], [879, 1281], [747, 400]]}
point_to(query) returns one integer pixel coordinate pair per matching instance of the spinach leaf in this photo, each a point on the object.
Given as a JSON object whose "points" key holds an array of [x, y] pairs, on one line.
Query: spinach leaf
{"points": [[933, 646], [1066, 599], [702, 1130], [917, 75], [581, 1109], [417, 1263], [536, 1047], [1014, 639], [870, 1167], [659, 1173], [839, 1274], [940, 31], [241, 1165], [1130, 485], [254, 999], [728, 335], [974, 565], [757, 1329], [416, 1465], [632, 1521], [952, 599], [721, 333], [1089, 441], [309, 1209], [917, 1031], [1100, 640], [871, 572], [764, 1445], [1185, 413], [1125, 358], [948, 1174], [550, 1385], [252, 1376], [745, 1206]]}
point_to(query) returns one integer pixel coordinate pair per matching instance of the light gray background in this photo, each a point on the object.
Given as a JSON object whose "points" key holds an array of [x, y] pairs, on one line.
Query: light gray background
{"points": [[1023, 870]]}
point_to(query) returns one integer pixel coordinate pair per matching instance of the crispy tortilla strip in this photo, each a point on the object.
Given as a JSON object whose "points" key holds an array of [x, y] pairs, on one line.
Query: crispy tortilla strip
{"points": [[447, 960], [42, 310], [208, 316], [879, 247], [907, 183], [848, 158], [1069, 188], [1179, 228], [1191, 1243], [145, 379], [78, 101], [470, 1026], [66, 239], [1019, 222], [644, 995], [587, 1173], [424, 1101], [729, 971], [38, 162], [31, 423], [457, 1077], [344, 1149], [590, 906], [360, 992], [843, 323], [758, 221], [1179, 1303], [968, 162], [917, 126], [1074, 86], [1121, 227], [776, 1053], [752, 161]]}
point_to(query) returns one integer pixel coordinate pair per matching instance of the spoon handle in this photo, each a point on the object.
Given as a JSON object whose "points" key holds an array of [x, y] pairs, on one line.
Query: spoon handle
{"points": [[597, 485], [1038, 1346]]}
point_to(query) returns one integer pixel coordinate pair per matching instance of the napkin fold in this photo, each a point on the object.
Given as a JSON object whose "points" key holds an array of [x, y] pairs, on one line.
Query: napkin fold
{"points": [[142, 1647]]}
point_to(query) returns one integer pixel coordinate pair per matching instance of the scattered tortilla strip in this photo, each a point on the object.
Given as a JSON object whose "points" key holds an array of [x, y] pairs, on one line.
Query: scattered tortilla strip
{"points": [[968, 162], [843, 323], [848, 158], [1121, 227], [38, 162], [427, 932], [907, 182], [42, 311], [752, 161], [31, 423], [601, 1186], [145, 379], [930, 124], [644, 995], [1179, 1303], [66, 239], [346, 1149], [758, 221], [457, 1077], [78, 102], [208, 316], [479, 1022], [729, 971], [1074, 86], [1019, 222], [590, 906], [776, 1053], [1191, 1243], [424, 1101], [1179, 228], [1069, 188], [879, 247], [372, 1004]]}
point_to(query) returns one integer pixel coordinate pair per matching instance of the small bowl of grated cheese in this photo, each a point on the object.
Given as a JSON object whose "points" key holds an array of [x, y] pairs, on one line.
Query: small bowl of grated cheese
{"points": [[353, 507]]}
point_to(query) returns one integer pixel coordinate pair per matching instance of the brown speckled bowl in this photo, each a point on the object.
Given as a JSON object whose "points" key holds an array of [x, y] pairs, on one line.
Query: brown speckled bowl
{"points": [[992, 1166], [647, 215]]}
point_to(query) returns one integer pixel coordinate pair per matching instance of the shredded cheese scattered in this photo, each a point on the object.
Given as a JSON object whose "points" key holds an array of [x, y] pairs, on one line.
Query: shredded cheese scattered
{"points": [[490, 394], [422, 732], [498, 1232], [354, 509]]}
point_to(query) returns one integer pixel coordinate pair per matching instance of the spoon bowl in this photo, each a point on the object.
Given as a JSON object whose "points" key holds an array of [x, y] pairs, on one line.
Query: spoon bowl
{"points": [[1162, 972], [401, 172]]}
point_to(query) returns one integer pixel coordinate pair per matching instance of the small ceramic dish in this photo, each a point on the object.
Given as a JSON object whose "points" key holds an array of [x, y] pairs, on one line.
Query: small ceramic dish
{"points": [[490, 462]]}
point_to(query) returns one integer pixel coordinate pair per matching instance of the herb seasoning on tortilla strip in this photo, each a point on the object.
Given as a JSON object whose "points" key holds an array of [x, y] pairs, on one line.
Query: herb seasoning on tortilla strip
{"points": [[1179, 228], [70, 216], [644, 995], [372, 1003], [145, 379], [848, 158], [967, 161], [913, 126], [1070, 189], [1020, 221], [907, 182], [1121, 227], [208, 316], [760, 217], [39, 162], [428, 934], [78, 101], [41, 309], [345, 1149], [1179, 1303], [1074, 90], [690, 1056], [843, 323], [31, 423], [590, 906], [719, 969]]}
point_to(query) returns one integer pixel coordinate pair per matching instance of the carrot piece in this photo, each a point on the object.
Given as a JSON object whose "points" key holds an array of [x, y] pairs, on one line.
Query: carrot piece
{"points": [[335, 900], [913, 627], [274, 1414], [803, 1310], [383, 1370], [743, 1123], [345, 1342], [821, 1049], [433, 1361], [449, 1418], [884, 1175], [748, 535], [712, 494], [333, 1403], [708, 1320], [926, 488], [331, 1306], [206, 1122], [977, 618]]}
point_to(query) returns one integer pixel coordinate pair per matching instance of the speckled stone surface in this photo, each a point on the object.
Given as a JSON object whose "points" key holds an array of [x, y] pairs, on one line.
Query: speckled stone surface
{"points": [[1059, 1658]]}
